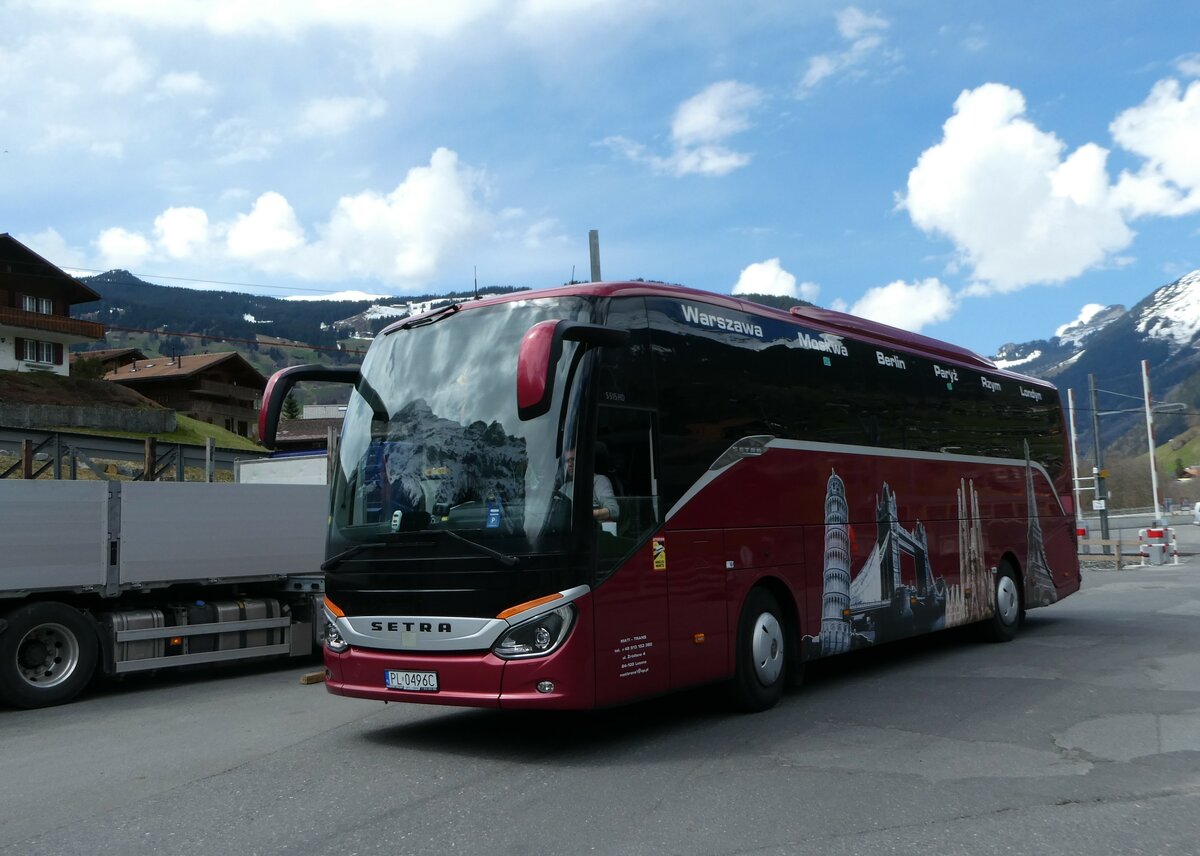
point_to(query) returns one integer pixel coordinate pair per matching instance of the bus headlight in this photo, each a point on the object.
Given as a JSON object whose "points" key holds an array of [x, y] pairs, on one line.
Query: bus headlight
{"points": [[536, 637], [333, 639]]}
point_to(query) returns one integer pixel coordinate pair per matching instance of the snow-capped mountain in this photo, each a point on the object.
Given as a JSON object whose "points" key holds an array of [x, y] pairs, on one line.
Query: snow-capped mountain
{"points": [[1045, 357], [1111, 343]]}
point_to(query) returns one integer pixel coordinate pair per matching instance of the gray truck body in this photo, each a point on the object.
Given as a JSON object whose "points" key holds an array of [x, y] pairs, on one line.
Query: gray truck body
{"points": [[139, 560]]}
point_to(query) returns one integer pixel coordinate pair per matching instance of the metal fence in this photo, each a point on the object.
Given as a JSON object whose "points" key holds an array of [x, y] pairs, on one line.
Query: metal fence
{"points": [[60, 455]]}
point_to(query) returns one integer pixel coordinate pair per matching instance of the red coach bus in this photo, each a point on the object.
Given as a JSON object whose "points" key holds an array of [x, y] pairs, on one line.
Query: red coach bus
{"points": [[584, 496]]}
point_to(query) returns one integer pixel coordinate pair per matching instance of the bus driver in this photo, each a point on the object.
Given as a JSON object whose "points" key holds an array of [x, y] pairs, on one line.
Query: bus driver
{"points": [[604, 501]]}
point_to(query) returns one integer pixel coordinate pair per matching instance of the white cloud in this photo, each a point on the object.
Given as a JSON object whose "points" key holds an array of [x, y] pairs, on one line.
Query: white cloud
{"points": [[267, 234], [122, 249], [543, 233], [864, 33], [769, 277], [180, 232], [403, 236], [909, 306], [128, 74], [1018, 211], [178, 84], [400, 238], [57, 135], [1086, 314], [336, 116], [716, 113], [284, 19], [1189, 65], [239, 141], [1165, 131], [53, 247], [699, 129]]}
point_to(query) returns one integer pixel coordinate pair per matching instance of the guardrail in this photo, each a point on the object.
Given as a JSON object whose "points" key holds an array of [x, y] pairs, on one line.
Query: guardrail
{"points": [[1109, 549], [39, 452]]}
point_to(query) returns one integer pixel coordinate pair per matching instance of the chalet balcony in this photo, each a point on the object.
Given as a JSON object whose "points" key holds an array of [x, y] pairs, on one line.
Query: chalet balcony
{"points": [[226, 390], [50, 323], [204, 408]]}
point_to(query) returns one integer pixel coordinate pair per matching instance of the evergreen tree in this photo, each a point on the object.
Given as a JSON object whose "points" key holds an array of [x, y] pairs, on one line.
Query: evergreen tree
{"points": [[291, 407]]}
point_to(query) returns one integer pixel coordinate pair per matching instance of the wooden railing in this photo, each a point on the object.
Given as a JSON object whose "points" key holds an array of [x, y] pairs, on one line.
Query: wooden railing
{"points": [[50, 323], [228, 390]]}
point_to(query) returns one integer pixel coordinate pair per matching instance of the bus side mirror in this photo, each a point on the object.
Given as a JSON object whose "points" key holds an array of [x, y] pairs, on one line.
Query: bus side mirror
{"points": [[541, 349], [281, 383]]}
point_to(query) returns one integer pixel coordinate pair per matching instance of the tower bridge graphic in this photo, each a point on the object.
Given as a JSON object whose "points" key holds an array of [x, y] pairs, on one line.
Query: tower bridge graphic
{"points": [[876, 604]]}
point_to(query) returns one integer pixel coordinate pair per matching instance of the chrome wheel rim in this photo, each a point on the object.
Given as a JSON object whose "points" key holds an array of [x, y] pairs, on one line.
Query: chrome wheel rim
{"points": [[766, 647], [1008, 601], [47, 655]]}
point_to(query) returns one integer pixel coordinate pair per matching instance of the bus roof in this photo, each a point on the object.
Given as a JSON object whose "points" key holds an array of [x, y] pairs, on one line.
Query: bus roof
{"points": [[826, 319]]}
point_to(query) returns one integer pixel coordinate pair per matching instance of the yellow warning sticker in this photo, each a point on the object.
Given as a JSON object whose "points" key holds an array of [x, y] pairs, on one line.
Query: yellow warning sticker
{"points": [[660, 554]]}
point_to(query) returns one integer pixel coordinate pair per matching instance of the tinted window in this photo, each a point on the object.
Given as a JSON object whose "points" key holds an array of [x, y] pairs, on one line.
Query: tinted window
{"points": [[723, 375]]}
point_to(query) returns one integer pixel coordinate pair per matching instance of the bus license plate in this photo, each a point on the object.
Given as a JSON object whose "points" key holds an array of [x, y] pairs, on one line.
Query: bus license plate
{"points": [[421, 682]]}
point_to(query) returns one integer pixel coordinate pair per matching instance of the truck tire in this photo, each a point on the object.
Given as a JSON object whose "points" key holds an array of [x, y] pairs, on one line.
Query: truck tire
{"points": [[48, 654]]}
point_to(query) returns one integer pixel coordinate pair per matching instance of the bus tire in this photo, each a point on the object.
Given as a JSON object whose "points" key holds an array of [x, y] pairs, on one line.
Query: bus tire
{"points": [[48, 654], [761, 671], [1007, 617]]}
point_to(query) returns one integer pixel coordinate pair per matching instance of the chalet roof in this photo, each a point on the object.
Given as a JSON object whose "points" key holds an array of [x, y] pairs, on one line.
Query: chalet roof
{"points": [[182, 366], [23, 270], [108, 354]]}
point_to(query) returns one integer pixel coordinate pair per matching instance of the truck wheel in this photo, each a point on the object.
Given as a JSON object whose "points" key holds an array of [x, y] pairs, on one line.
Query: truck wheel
{"points": [[48, 653], [761, 653], [1006, 620]]}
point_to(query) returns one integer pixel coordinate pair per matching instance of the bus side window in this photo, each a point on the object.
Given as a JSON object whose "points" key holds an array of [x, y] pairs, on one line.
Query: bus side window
{"points": [[625, 456]]}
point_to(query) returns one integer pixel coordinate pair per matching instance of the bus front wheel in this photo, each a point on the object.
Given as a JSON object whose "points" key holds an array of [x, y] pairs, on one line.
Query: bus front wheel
{"points": [[761, 653], [1006, 619]]}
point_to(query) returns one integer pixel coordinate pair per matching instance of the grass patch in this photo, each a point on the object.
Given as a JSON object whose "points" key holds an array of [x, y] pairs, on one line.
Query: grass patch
{"points": [[188, 431]]}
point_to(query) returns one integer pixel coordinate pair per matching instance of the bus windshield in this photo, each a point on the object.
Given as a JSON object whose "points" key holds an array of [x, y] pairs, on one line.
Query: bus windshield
{"points": [[432, 443]]}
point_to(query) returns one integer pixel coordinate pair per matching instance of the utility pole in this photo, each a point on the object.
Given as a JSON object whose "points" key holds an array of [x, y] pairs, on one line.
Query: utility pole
{"points": [[1074, 457], [594, 249], [1101, 504], [1150, 440]]}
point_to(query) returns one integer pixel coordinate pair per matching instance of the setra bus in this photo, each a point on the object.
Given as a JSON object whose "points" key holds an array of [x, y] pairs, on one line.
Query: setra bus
{"points": [[788, 485]]}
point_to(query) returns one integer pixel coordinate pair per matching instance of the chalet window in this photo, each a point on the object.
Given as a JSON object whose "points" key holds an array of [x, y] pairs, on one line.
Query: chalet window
{"points": [[40, 305], [33, 351]]}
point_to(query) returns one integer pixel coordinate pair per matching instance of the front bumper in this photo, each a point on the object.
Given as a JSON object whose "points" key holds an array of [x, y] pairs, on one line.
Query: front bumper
{"points": [[477, 678]]}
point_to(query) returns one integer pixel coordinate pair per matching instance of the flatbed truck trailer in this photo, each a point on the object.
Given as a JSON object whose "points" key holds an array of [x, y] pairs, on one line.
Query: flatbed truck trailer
{"points": [[109, 577]]}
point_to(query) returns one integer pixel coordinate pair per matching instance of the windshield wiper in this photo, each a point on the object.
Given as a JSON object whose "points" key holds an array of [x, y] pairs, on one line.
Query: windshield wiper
{"points": [[430, 317], [333, 561], [504, 559]]}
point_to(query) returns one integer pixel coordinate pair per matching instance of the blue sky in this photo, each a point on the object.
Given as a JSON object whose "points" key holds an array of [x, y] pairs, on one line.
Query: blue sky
{"points": [[979, 172]]}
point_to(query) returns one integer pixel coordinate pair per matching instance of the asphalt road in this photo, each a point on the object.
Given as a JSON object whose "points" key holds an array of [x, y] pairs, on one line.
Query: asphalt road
{"points": [[1081, 737]]}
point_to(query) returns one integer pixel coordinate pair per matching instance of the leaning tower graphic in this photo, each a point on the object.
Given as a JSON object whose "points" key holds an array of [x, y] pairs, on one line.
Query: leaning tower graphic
{"points": [[835, 618]]}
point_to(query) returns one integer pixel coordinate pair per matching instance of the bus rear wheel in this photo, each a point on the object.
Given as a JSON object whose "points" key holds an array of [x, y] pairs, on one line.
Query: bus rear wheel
{"points": [[1006, 619], [48, 654], [761, 653]]}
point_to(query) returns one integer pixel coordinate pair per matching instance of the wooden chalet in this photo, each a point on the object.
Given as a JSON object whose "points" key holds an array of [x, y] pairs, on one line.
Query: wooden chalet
{"points": [[221, 389], [36, 296], [112, 359]]}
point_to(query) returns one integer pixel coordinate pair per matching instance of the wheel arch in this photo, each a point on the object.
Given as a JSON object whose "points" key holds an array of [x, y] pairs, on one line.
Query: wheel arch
{"points": [[1009, 558], [784, 596]]}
